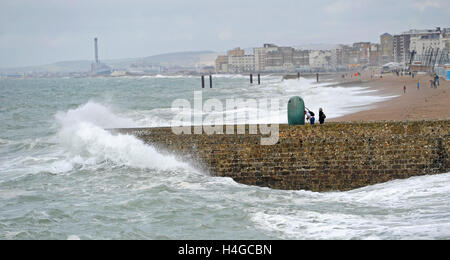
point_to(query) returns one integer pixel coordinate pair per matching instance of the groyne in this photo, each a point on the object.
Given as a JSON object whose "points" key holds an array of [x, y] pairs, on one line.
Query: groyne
{"points": [[334, 156]]}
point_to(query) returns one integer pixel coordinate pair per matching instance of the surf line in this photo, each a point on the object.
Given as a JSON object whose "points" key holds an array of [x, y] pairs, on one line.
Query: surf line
{"points": [[213, 123]]}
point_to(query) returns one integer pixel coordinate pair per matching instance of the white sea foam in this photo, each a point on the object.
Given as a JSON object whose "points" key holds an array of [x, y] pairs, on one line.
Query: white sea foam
{"points": [[415, 208], [335, 100], [160, 76], [83, 135], [95, 114]]}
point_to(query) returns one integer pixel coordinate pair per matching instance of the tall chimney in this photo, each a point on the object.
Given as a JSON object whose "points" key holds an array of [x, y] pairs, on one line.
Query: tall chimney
{"points": [[96, 50]]}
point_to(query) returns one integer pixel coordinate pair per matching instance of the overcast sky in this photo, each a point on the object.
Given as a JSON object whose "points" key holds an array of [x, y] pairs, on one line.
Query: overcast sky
{"points": [[34, 32]]}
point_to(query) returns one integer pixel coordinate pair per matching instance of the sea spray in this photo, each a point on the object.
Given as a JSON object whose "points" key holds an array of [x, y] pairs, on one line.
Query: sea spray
{"points": [[95, 114], [82, 134]]}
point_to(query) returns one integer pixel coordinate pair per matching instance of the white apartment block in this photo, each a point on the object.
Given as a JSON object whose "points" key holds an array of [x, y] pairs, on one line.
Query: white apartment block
{"points": [[260, 56], [320, 59], [402, 42], [422, 44], [241, 64]]}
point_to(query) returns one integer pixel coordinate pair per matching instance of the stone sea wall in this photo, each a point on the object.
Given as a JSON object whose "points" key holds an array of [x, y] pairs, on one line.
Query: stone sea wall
{"points": [[334, 156]]}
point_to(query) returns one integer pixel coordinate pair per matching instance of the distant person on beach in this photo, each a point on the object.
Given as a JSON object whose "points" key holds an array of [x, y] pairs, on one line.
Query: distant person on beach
{"points": [[436, 80], [322, 116], [404, 89], [418, 85]]}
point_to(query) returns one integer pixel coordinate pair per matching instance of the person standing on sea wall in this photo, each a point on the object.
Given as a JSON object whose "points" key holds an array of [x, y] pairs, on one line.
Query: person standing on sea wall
{"points": [[312, 120], [322, 116], [310, 117]]}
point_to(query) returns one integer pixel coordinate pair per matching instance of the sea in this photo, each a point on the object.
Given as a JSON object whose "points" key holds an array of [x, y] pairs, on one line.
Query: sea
{"points": [[63, 175]]}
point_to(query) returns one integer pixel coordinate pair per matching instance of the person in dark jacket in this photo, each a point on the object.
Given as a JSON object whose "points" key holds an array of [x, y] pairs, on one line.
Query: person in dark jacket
{"points": [[322, 116]]}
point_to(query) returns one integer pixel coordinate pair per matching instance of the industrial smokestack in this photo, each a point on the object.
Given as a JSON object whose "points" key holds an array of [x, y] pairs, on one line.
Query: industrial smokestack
{"points": [[96, 50]]}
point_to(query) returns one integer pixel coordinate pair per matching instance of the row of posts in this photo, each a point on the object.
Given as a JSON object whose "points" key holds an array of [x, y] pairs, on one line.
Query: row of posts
{"points": [[210, 81], [211, 84], [251, 79], [259, 79]]}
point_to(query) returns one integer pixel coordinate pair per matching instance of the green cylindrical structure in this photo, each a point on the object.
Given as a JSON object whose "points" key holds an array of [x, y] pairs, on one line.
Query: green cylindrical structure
{"points": [[296, 111]]}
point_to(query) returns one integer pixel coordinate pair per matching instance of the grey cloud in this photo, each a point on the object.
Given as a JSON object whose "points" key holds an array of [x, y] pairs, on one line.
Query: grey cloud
{"points": [[35, 32]]}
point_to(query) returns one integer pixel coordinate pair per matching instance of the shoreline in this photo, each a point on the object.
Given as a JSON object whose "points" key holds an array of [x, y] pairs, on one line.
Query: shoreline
{"points": [[423, 104]]}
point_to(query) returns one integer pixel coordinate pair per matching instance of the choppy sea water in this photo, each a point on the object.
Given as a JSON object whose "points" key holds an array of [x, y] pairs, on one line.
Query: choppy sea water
{"points": [[62, 176]]}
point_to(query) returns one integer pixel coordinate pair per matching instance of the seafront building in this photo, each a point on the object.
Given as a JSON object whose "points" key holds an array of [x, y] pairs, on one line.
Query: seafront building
{"points": [[236, 52], [260, 54], [436, 44], [336, 58], [241, 64], [222, 64], [269, 58], [386, 48], [413, 46], [402, 44], [320, 60], [286, 59], [350, 55], [375, 54], [363, 49]]}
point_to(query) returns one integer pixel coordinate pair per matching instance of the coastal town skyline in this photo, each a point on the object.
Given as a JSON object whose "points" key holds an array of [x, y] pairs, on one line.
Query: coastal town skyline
{"points": [[415, 46], [50, 31]]}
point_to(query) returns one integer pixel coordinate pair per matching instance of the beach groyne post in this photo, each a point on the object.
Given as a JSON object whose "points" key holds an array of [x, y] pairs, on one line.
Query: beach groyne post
{"points": [[210, 81], [203, 81], [251, 78], [259, 79]]}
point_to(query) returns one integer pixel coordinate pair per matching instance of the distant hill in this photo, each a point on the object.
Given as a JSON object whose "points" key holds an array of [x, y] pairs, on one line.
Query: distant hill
{"points": [[181, 59], [58, 67], [185, 59]]}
